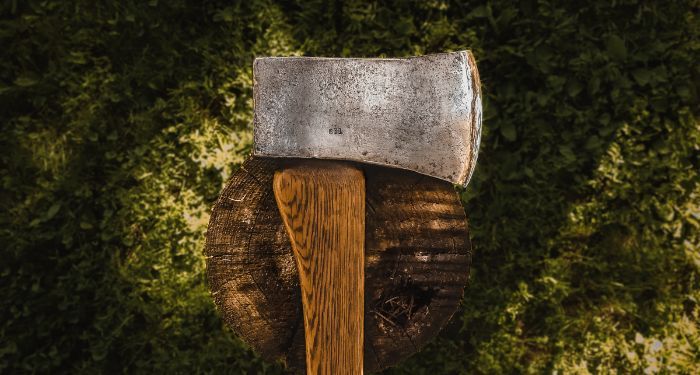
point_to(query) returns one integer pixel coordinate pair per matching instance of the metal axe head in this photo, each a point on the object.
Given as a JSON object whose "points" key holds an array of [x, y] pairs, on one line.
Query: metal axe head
{"points": [[419, 113]]}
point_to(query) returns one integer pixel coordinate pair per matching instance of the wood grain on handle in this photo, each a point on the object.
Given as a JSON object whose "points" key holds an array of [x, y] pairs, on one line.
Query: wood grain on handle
{"points": [[322, 204]]}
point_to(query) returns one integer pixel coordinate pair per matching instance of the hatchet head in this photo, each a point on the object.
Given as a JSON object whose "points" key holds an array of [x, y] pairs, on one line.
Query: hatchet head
{"points": [[420, 113]]}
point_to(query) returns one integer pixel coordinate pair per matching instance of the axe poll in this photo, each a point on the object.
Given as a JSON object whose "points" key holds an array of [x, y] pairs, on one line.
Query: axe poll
{"points": [[421, 114]]}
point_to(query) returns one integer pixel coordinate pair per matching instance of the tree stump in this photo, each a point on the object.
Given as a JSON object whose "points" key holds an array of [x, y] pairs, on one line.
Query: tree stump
{"points": [[417, 257]]}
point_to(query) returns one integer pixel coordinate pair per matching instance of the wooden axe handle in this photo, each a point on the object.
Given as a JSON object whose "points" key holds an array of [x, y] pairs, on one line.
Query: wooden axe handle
{"points": [[322, 204]]}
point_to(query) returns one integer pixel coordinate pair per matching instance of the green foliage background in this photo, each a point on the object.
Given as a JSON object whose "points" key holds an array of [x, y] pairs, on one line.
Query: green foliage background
{"points": [[121, 121]]}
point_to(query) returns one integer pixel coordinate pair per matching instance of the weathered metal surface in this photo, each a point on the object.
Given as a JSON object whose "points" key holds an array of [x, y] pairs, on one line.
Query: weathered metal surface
{"points": [[419, 113]]}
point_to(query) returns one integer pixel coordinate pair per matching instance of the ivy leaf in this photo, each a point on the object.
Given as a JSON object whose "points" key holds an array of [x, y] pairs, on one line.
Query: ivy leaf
{"points": [[508, 131], [642, 76], [478, 12], [593, 143], [53, 210], [616, 47], [573, 87], [24, 81], [684, 92], [567, 153]]}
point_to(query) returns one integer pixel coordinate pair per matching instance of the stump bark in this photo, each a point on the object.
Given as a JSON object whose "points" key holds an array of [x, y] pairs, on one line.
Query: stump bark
{"points": [[417, 257]]}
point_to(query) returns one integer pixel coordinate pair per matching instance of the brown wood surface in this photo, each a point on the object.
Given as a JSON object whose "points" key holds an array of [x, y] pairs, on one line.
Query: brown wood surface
{"points": [[322, 204], [417, 256]]}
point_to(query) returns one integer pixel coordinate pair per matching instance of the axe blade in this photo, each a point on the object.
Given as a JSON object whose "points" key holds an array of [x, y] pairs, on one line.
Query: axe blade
{"points": [[419, 113]]}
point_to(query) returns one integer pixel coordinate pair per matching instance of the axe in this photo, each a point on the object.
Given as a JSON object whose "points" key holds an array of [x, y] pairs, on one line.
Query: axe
{"points": [[421, 114]]}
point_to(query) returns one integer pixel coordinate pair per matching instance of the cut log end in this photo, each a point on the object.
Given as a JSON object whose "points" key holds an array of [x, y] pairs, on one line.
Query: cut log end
{"points": [[417, 257]]}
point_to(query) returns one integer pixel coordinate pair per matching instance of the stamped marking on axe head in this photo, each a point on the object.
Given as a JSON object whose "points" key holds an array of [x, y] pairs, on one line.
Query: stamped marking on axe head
{"points": [[419, 113]]}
